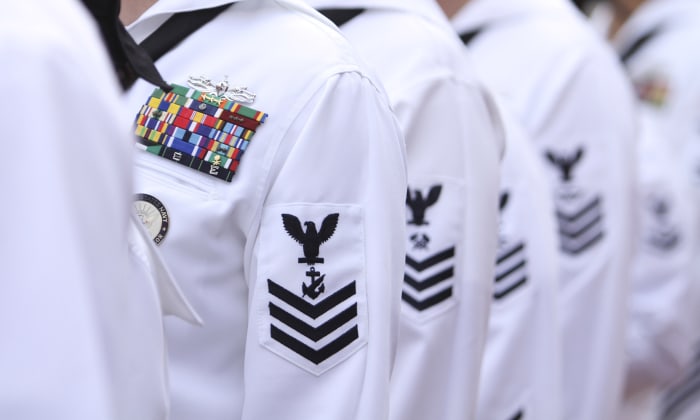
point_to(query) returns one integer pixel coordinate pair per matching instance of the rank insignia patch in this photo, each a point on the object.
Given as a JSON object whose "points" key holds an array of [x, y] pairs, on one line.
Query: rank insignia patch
{"points": [[311, 273], [153, 215], [661, 233], [579, 214], [433, 227], [511, 259], [205, 130]]}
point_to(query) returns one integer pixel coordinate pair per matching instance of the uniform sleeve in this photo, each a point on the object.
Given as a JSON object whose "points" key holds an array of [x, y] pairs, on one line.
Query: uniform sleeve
{"points": [[328, 261], [451, 215], [588, 136], [521, 373], [663, 302], [65, 181], [682, 122]]}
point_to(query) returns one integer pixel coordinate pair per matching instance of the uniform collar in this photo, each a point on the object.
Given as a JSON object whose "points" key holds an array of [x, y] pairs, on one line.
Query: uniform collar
{"points": [[163, 9], [425, 8], [152, 18], [480, 13], [167, 7], [651, 15]]}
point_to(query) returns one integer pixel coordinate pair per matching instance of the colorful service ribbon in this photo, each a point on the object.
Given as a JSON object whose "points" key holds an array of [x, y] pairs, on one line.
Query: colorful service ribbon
{"points": [[197, 129]]}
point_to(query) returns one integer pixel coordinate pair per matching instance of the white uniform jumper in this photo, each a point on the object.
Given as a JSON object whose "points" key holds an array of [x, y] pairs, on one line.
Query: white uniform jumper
{"points": [[573, 100], [295, 265], [81, 320], [521, 374], [452, 143], [663, 298], [656, 44]]}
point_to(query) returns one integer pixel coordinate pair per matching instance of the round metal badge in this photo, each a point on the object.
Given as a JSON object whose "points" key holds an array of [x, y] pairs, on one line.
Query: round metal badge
{"points": [[153, 215]]}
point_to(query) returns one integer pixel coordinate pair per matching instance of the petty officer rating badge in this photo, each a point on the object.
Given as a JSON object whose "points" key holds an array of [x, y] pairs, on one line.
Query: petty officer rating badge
{"points": [[662, 233], [511, 255], [430, 254], [203, 126], [313, 269], [579, 210]]}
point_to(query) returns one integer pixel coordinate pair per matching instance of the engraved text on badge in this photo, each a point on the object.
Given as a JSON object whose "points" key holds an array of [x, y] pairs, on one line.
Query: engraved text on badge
{"points": [[153, 215]]}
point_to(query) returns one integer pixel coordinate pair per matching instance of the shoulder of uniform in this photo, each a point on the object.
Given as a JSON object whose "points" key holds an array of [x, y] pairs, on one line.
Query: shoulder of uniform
{"points": [[559, 39], [298, 28], [311, 47], [442, 56]]}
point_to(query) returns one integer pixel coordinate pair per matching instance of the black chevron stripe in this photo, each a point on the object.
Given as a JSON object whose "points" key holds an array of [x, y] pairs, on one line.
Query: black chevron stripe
{"points": [[429, 302], [572, 217], [430, 281], [665, 240], [569, 232], [571, 247], [511, 288], [313, 311], [681, 398], [518, 416], [683, 394], [314, 356], [510, 271], [510, 253], [431, 261], [313, 333]]}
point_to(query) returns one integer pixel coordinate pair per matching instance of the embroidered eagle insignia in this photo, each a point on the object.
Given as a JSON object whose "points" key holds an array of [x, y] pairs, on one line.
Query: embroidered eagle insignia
{"points": [[566, 163], [419, 205], [311, 238]]}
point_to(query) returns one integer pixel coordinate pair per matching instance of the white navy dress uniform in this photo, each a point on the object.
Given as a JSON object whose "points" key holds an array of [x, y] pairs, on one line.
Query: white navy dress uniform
{"points": [[295, 265], [82, 293], [563, 73], [663, 300], [655, 44], [521, 374], [453, 143]]}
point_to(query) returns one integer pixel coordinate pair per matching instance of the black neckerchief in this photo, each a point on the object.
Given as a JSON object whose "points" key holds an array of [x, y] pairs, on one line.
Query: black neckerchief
{"points": [[129, 60], [340, 16], [468, 36], [635, 47]]}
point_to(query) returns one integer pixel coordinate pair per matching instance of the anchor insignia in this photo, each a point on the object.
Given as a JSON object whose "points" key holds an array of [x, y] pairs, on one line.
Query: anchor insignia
{"points": [[316, 287]]}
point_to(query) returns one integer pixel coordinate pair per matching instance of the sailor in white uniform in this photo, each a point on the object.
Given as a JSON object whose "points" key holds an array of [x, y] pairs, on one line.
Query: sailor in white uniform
{"points": [[521, 374], [453, 141], [663, 300], [282, 173], [655, 41], [572, 97], [82, 294]]}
